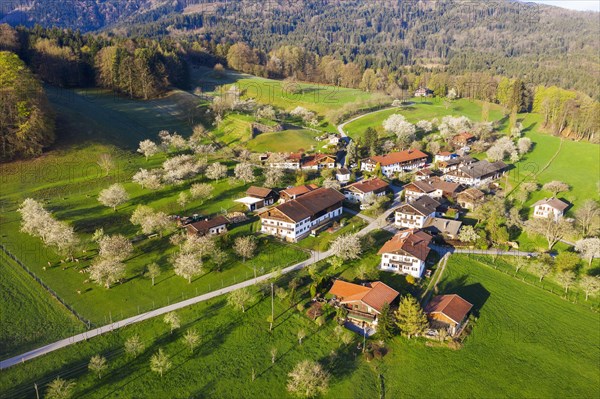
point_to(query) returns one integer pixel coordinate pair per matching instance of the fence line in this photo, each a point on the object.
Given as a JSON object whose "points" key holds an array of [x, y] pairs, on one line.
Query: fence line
{"points": [[82, 319]]}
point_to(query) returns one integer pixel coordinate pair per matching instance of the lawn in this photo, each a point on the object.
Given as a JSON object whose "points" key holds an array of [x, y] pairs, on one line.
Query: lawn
{"points": [[29, 315], [351, 224], [526, 342], [284, 141], [419, 110]]}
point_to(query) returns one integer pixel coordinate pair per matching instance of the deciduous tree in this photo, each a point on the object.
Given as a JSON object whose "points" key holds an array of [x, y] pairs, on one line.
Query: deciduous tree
{"points": [[245, 246], [172, 320], [152, 272], [216, 171], [589, 248], [113, 196], [98, 365], [60, 389], [590, 285], [308, 379], [240, 298], [106, 271], [160, 363], [347, 247], [134, 346], [148, 148]]}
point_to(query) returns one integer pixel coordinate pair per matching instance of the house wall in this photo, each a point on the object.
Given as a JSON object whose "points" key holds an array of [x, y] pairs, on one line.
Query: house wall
{"points": [[292, 231], [414, 267], [411, 221], [545, 211]]}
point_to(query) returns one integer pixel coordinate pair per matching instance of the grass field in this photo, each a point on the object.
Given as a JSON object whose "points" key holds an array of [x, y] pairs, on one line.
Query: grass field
{"points": [[420, 110], [525, 343], [29, 315]]}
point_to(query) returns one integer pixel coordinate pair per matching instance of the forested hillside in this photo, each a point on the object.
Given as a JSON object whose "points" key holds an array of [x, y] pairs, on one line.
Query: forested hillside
{"points": [[501, 37], [26, 126]]}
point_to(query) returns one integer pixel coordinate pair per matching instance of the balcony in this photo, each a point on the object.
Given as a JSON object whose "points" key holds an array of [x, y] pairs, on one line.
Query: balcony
{"points": [[362, 316]]}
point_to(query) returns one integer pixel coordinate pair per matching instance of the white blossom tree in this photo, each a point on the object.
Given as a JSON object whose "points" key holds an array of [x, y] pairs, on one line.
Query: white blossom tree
{"points": [[590, 285], [181, 167], [172, 320], [240, 298], [187, 265], [273, 177], [106, 163], [116, 247], [216, 171], [106, 272], [308, 379], [98, 365], [201, 190], [589, 248], [244, 171], [151, 179], [468, 234], [113, 196], [160, 363], [425, 126], [552, 230], [60, 389], [245, 246], [148, 148], [134, 346], [556, 187], [347, 247], [524, 145]]}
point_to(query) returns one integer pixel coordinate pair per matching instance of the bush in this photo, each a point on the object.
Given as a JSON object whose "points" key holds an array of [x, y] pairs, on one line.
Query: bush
{"points": [[320, 321], [300, 307], [410, 279], [315, 310]]}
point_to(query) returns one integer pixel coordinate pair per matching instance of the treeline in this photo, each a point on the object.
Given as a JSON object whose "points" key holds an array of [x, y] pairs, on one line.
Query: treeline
{"points": [[138, 68], [26, 124]]}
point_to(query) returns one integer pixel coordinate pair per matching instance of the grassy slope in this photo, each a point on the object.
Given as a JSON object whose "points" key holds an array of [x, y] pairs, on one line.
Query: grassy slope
{"points": [[526, 343], [29, 315]]}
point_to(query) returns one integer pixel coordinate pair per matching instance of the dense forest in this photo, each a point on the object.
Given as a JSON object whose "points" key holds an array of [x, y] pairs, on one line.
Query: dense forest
{"points": [[26, 125], [138, 68], [530, 41]]}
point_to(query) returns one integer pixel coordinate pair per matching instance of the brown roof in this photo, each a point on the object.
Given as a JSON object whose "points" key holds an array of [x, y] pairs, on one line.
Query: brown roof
{"points": [[423, 205], [446, 186], [312, 160], [259, 192], [451, 306], [398, 157], [444, 153], [464, 136], [374, 294], [421, 186], [369, 186], [300, 190], [554, 203], [309, 204], [204, 225], [412, 242], [472, 194]]}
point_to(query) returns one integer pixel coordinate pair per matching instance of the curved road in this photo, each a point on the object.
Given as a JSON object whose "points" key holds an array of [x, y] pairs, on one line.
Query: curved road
{"points": [[341, 126]]}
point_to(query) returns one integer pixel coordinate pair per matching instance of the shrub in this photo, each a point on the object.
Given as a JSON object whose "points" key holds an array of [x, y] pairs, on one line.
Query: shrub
{"points": [[410, 279], [315, 310]]}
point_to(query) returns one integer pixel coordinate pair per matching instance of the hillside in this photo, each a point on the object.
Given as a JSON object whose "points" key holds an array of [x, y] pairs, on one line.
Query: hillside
{"points": [[500, 37]]}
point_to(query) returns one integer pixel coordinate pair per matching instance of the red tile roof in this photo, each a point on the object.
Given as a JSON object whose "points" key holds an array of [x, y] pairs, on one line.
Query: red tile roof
{"points": [[299, 190], [398, 157], [451, 306], [374, 294], [413, 242], [313, 160]]}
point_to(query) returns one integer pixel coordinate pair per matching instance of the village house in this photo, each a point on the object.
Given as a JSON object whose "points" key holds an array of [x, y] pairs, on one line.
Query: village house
{"points": [[296, 219], [446, 228], [423, 92], [416, 214], [365, 302], [424, 174], [342, 175], [444, 156], [550, 208], [477, 173], [463, 139], [216, 225], [365, 190], [294, 192], [471, 198], [455, 163], [395, 162], [258, 197], [406, 253], [417, 189], [318, 162], [448, 312], [290, 161]]}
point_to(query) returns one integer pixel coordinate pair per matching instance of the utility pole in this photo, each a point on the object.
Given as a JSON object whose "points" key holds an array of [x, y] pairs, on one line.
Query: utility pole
{"points": [[272, 307], [37, 393]]}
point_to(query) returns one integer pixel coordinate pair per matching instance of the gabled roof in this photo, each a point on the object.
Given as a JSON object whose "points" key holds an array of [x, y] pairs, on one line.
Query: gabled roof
{"points": [[374, 294], [472, 194], [309, 204], [300, 190], [481, 169], [445, 186], [204, 225], [443, 226], [368, 186], [397, 157], [463, 136], [412, 242], [553, 202], [451, 306], [421, 186], [259, 192], [316, 159], [423, 206], [342, 171]]}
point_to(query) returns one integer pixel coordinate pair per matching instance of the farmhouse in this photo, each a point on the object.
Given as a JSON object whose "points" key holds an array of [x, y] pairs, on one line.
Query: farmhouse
{"points": [[444, 156], [285, 161], [463, 140], [446, 228], [448, 311], [342, 175], [423, 92], [416, 214], [417, 189], [406, 252], [395, 162], [471, 198], [455, 163], [294, 192], [363, 302], [477, 173], [424, 174], [318, 162], [365, 190], [212, 226], [258, 197], [549, 208], [295, 219]]}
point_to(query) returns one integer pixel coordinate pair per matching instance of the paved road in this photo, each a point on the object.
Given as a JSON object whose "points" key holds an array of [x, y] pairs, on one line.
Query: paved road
{"points": [[342, 125]]}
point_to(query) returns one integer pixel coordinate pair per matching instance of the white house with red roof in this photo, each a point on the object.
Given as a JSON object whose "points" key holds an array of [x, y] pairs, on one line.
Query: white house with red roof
{"points": [[406, 253], [395, 162], [365, 189]]}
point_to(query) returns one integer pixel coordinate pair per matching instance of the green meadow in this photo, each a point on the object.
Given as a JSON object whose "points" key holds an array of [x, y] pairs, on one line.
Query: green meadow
{"points": [[525, 342]]}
